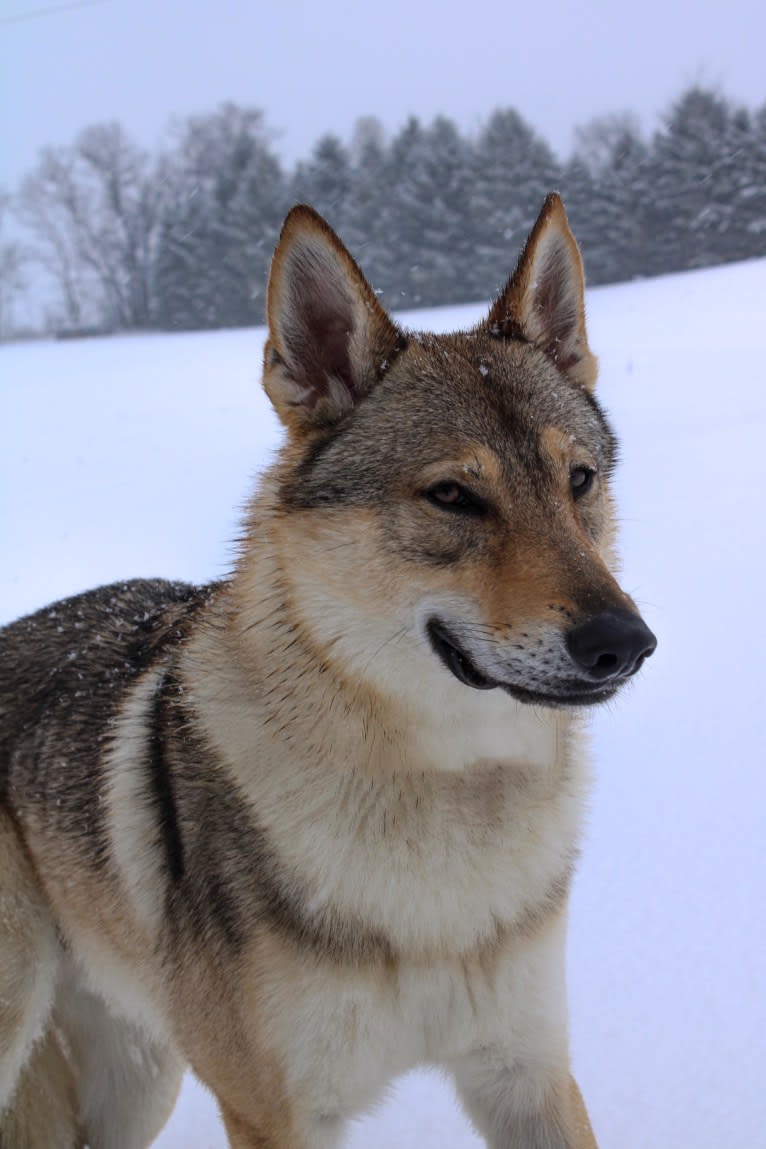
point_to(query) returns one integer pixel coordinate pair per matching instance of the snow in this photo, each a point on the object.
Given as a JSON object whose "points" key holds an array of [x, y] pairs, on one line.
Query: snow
{"points": [[131, 456]]}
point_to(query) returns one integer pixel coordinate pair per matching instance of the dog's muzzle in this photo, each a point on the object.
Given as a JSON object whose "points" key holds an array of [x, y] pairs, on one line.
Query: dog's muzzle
{"points": [[597, 657]]}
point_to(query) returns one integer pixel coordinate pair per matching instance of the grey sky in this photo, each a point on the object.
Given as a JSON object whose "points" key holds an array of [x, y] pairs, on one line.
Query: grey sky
{"points": [[316, 66]]}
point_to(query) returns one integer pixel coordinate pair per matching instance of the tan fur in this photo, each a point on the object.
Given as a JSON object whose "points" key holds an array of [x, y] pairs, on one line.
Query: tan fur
{"points": [[519, 308], [310, 848], [26, 969], [45, 1110]]}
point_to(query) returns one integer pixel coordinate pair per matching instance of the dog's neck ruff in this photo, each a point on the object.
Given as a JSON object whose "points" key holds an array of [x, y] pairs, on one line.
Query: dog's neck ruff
{"points": [[428, 789]]}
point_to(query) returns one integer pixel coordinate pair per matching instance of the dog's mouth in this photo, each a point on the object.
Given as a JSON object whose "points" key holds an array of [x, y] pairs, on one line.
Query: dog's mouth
{"points": [[574, 696], [455, 658], [465, 670]]}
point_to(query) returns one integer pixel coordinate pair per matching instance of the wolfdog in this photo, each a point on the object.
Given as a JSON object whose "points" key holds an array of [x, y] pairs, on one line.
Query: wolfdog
{"points": [[313, 825]]}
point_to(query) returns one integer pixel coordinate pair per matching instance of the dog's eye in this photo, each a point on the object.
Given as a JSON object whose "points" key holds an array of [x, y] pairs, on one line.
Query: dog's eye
{"points": [[453, 497], [581, 480]]}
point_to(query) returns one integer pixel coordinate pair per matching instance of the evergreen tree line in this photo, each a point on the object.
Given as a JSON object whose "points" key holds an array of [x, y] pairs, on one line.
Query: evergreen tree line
{"points": [[434, 216]]}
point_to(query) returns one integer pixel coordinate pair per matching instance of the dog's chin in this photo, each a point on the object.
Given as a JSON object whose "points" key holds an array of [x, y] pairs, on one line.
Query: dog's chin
{"points": [[561, 699], [465, 670]]}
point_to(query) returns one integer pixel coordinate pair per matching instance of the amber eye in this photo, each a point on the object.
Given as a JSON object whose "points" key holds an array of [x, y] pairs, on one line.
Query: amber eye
{"points": [[581, 480], [453, 497]]}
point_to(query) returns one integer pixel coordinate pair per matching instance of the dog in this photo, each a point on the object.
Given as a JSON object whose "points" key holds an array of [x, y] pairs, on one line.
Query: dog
{"points": [[315, 824]]}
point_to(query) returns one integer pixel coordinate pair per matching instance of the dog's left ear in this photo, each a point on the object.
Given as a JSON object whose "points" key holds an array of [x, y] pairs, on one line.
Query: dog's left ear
{"points": [[329, 338], [544, 300]]}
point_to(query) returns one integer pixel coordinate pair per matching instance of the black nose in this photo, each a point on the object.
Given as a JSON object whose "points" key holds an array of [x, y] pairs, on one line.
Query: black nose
{"points": [[611, 644]]}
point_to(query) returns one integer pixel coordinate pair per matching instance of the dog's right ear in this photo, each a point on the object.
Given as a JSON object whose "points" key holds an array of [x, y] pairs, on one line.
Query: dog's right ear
{"points": [[329, 338], [544, 300]]}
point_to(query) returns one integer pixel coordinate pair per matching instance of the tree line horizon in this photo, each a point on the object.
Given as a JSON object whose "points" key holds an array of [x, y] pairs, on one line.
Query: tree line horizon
{"points": [[181, 240]]}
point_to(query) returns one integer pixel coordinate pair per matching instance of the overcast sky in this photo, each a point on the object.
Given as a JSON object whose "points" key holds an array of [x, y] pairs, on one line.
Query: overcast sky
{"points": [[317, 65]]}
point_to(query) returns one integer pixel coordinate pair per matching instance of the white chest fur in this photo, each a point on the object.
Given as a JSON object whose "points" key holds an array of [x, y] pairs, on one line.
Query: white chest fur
{"points": [[433, 828], [437, 863], [345, 1034], [435, 859]]}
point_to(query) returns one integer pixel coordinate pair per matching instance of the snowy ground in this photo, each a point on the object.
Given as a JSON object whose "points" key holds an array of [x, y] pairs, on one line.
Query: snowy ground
{"points": [[131, 456]]}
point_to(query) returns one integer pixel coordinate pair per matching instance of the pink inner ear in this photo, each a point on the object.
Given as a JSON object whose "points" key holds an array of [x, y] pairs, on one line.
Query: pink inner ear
{"points": [[554, 303], [316, 328], [328, 333]]}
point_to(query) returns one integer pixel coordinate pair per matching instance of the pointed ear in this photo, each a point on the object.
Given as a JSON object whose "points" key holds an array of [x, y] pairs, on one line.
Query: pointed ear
{"points": [[329, 338], [544, 300]]}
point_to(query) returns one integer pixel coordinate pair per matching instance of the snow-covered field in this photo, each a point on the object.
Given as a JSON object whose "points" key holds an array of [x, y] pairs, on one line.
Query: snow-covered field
{"points": [[131, 456]]}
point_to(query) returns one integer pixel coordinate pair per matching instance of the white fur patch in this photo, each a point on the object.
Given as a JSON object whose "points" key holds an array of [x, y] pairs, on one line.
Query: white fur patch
{"points": [[345, 1036], [132, 822], [129, 1074]]}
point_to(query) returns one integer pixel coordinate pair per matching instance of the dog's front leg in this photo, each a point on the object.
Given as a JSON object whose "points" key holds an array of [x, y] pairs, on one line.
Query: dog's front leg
{"points": [[517, 1107], [581, 1126], [515, 1083], [280, 1130]]}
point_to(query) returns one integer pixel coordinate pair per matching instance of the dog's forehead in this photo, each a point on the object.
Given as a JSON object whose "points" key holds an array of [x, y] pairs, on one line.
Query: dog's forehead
{"points": [[498, 391], [448, 399]]}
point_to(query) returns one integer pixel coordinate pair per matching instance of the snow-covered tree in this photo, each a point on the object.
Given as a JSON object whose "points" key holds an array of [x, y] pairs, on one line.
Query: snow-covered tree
{"points": [[367, 199], [614, 205], [422, 249], [92, 210], [224, 202], [750, 204], [697, 160], [433, 216], [325, 181], [513, 172], [13, 260]]}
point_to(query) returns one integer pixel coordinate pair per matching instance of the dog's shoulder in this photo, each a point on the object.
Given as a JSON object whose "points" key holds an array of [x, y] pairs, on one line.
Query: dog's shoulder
{"points": [[71, 661]]}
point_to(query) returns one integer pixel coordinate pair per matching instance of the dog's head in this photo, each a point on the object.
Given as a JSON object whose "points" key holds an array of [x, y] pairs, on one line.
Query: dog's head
{"points": [[444, 506]]}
